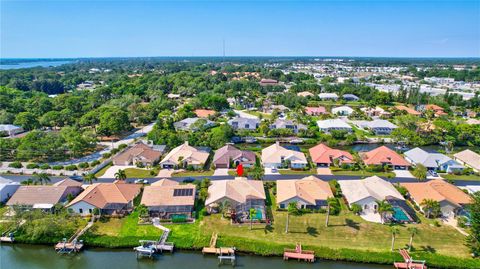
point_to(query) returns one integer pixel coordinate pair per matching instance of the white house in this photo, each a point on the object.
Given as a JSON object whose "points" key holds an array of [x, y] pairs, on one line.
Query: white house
{"points": [[7, 188], [244, 123], [379, 127], [432, 161], [276, 156], [327, 126], [328, 96], [10, 130], [342, 110]]}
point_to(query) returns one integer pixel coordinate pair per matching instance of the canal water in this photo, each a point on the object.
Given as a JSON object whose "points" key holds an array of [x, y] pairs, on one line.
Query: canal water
{"points": [[18, 256]]}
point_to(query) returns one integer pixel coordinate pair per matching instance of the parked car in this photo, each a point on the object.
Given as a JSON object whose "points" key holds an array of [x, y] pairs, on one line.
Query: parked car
{"points": [[250, 140], [296, 141], [141, 181]]}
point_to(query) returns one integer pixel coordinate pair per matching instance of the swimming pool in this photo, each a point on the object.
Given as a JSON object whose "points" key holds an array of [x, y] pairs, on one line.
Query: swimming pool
{"points": [[399, 215]]}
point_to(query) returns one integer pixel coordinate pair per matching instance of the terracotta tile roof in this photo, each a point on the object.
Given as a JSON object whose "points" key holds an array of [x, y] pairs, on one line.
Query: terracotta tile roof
{"points": [[163, 195], [321, 153], [310, 189], [315, 110], [102, 194], [226, 153], [68, 182], [409, 110], [165, 182], [204, 113], [437, 190], [140, 150], [383, 155], [44, 194]]}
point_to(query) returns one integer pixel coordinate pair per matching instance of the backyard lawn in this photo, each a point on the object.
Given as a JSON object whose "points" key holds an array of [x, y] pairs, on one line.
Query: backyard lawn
{"points": [[193, 173], [312, 171], [140, 173], [363, 173], [461, 177]]}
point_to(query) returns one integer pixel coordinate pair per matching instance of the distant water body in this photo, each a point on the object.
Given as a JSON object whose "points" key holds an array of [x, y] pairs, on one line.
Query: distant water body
{"points": [[31, 64]]}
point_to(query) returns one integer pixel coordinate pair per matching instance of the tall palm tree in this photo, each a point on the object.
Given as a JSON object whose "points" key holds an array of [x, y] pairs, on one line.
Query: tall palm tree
{"points": [[413, 231], [252, 212], [383, 209], [330, 202], [420, 172], [89, 178], [120, 175], [431, 208], [42, 178], [291, 209], [394, 230]]}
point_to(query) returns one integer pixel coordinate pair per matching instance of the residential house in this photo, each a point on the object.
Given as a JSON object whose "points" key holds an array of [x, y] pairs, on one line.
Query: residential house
{"points": [[43, 197], [385, 157], [288, 124], [7, 188], [268, 82], [276, 156], [379, 127], [367, 192], [239, 194], [324, 156], [342, 110], [229, 156], [240, 123], [315, 111], [452, 200], [10, 130], [438, 110], [204, 113], [305, 94], [375, 112], [140, 153], [408, 110], [327, 126], [328, 96], [110, 199], [432, 161], [350, 97], [309, 192], [468, 158], [190, 124], [183, 156], [166, 198]]}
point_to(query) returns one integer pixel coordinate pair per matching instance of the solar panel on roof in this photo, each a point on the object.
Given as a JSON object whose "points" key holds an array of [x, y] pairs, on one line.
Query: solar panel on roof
{"points": [[182, 192]]}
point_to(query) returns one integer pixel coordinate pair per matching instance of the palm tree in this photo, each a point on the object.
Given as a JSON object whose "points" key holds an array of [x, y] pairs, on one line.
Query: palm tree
{"points": [[291, 209], [89, 178], [383, 209], [420, 172], [430, 207], [252, 212], [120, 175], [413, 231], [42, 178], [330, 202], [257, 173], [394, 231], [28, 182]]}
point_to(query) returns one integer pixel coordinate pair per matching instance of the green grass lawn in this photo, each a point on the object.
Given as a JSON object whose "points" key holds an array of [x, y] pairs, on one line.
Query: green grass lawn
{"points": [[139, 173], [193, 173], [102, 171], [363, 173], [461, 177], [297, 172]]}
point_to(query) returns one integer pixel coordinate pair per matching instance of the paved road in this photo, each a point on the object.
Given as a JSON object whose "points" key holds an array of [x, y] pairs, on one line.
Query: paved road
{"points": [[20, 178]]}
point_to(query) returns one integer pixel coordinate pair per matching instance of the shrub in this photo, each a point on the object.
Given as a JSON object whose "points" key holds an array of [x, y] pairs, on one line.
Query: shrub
{"points": [[95, 163], [462, 222], [122, 146], [44, 166], [106, 155], [71, 167], [15, 165], [83, 165], [114, 151], [57, 167], [32, 166]]}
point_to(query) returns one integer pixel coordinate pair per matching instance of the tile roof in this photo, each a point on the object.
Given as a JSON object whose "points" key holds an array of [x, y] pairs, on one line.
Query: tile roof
{"points": [[44, 194], [188, 153], [409, 110], [375, 187], [315, 110], [275, 152], [102, 194], [68, 182], [437, 190], [204, 113], [310, 189], [383, 155], [321, 153], [240, 190], [140, 150], [163, 195], [226, 153]]}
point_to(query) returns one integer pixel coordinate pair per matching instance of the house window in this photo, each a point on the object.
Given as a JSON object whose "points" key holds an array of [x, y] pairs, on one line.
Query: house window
{"points": [[282, 206], [80, 210], [247, 126], [90, 211], [365, 207]]}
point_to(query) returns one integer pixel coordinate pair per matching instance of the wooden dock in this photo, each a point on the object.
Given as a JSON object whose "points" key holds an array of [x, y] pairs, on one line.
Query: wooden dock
{"points": [[150, 247], [7, 239], [213, 249], [73, 244], [408, 262], [299, 254]]}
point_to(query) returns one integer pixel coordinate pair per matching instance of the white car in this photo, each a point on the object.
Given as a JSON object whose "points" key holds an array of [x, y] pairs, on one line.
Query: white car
{"points": [[141, 181]]}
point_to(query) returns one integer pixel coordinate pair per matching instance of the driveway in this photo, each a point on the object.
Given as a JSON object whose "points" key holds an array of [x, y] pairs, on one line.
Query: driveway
{"points": [[324, 171], [268, 171], [371, 217], [403, 173], [110, 173], [221, 172], [165, 173]]}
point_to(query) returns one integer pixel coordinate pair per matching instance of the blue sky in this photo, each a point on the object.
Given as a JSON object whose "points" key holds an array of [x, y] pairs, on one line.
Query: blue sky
{"points": [[258, 28]]}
